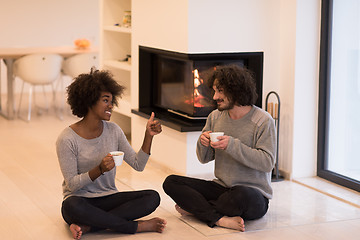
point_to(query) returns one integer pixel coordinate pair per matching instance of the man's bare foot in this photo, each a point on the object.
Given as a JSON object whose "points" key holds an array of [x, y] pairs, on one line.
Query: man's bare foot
{"points": [[236, 223], [152, 225], [77, 231], [182, 211]]}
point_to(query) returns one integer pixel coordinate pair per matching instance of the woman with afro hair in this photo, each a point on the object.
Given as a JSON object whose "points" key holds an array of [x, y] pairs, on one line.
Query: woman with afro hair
{"points": [[91, 200]]}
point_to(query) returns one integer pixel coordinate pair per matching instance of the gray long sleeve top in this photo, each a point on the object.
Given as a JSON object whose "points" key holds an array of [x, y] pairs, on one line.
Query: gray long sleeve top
{"points": [[78, 155], [249, 157]]}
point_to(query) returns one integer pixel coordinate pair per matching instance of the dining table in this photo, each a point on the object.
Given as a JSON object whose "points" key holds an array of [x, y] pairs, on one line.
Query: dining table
{"points": [[10, 54]]}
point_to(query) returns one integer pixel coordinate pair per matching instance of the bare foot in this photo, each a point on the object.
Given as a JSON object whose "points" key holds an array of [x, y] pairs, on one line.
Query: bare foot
{"points": [[182, 211], [236, 223], [77, 231], [152, 225]]}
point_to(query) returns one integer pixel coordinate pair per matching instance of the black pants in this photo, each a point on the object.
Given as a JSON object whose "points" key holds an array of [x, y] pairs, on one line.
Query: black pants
{"points": [[115, 212], [209, 201]]}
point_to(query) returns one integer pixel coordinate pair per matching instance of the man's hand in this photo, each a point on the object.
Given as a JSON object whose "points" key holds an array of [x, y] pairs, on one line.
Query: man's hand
{"points": [[222, 143], [205, 138]]}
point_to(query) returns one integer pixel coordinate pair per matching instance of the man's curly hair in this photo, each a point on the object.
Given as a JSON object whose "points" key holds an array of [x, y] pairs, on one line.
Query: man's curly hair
{"points": [[237, 83], [85, 90]]}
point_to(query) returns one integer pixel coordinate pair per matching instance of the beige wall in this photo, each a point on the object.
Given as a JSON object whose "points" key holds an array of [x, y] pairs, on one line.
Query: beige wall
{"points": [[34, 23], [47, 22]]}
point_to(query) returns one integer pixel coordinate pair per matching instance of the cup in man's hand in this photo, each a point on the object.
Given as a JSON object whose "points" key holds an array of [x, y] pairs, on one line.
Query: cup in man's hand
{"points": [[214, 135]]}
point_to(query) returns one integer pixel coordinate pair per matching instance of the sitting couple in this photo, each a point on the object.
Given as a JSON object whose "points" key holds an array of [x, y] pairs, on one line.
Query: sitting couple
{"points": [[244, 159]]}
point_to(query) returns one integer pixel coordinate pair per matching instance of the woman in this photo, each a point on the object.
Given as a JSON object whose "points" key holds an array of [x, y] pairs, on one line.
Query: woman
{"points": [[91, 199]]}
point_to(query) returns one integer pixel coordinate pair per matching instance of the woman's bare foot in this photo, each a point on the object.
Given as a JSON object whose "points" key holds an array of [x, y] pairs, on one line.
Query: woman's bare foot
{"points": [[182, 211], [236, 223], [77, 231], [152, 225]]}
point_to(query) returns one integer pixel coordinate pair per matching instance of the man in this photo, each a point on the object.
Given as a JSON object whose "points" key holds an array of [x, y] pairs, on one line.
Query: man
{"points": [[244, 157]]}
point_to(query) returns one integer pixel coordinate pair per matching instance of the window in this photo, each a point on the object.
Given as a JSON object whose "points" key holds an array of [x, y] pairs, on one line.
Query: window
{"points": [[339, 93]]}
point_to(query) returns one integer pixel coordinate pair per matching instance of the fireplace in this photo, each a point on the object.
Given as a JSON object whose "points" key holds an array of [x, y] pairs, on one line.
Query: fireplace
{"points": [[174, 85]]}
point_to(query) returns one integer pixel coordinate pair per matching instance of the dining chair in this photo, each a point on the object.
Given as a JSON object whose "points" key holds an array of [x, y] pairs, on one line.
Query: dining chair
{"points": [[80, 63], [74, 66], [37, 70]]}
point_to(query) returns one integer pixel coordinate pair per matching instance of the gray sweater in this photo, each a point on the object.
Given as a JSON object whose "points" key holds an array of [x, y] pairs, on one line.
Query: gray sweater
{"points": [[77, 156], [250, 155]]}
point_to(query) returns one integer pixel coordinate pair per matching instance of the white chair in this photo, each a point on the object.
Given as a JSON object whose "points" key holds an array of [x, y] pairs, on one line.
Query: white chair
{"points": [[80, 63], [76, 65], [37, 70]]}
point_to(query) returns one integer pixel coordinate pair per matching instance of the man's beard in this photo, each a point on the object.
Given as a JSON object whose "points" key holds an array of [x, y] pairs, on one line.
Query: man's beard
{"points": [[228, 106]]}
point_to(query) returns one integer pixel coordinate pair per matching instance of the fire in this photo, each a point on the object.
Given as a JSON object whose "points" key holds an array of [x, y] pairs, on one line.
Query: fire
{"points": [[197, 82]]}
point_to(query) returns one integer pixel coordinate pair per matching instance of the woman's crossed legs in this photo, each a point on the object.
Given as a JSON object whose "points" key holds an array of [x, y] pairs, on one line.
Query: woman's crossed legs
{"points": [[116, 212]]}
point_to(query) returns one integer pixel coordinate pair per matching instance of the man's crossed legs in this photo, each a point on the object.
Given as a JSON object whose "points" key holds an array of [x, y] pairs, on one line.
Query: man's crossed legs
{"points": [[214, 204]]}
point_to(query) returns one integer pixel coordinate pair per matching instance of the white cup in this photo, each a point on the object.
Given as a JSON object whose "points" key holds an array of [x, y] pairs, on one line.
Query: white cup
{"points": [[214, 135], [118, 157]]}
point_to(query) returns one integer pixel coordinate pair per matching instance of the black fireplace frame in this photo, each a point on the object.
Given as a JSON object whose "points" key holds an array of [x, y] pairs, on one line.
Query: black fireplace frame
{"points": [[252, 60]]}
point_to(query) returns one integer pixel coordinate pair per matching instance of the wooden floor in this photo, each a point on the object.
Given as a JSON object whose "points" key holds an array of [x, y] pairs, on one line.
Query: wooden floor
{"points": [[31, 195]]}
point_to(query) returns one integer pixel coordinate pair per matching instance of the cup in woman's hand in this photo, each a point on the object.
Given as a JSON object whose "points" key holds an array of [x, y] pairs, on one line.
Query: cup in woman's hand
{"points": [[118, 157]]}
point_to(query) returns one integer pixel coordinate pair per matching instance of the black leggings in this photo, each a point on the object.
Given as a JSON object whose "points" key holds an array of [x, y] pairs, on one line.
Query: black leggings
{"points": [[115, 212], [209, 201]]}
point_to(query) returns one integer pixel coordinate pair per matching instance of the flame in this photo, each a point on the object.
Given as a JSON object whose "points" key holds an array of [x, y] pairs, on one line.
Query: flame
{"points": [[196, 93], [197, 82], [196, 73]]}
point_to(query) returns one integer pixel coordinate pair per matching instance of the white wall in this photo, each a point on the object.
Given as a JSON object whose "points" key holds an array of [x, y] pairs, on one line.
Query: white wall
{"points": [[34, 23], [286, 65], [163, 24], [251, 26], [158, 24], [306, 81], [287, 31], [238, 26]]}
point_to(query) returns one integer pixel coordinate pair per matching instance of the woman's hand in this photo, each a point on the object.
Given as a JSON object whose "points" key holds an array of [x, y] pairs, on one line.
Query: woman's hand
{"points": [[107, 163], [153, 127]]}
